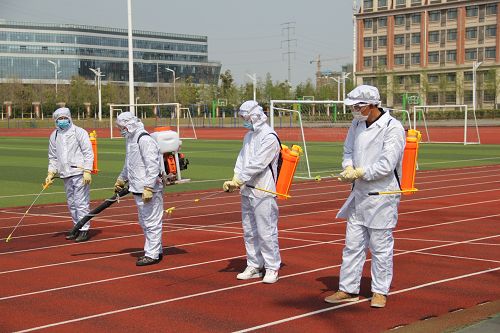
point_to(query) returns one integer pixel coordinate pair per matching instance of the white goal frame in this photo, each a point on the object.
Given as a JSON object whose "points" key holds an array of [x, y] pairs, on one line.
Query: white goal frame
{"points": [[272, 108], [120, 107], [464, 107]]}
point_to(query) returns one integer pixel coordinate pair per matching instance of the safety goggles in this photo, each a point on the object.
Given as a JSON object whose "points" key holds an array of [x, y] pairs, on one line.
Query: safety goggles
{"points": [[358, 107]]}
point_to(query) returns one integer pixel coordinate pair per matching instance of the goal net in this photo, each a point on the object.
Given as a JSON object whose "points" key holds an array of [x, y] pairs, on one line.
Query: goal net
{"points": [[156, 115], [446, 124], [319, 127]]}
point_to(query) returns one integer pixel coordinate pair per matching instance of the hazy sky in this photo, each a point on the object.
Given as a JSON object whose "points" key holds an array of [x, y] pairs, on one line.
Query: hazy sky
{"points": [[245, 36]]}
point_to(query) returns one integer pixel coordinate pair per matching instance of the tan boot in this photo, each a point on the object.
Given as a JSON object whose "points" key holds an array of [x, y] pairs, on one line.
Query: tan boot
{"points": [[378, 300], [341, 297]]}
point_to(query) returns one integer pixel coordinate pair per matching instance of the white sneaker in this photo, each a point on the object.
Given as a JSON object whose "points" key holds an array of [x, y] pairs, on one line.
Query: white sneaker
{"points": [[271, 276], [249, 273]]}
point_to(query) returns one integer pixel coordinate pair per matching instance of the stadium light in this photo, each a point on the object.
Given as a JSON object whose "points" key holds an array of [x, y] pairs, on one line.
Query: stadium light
{"points": [[130, 59], [171, 70], [98, 76], [55, 72]]}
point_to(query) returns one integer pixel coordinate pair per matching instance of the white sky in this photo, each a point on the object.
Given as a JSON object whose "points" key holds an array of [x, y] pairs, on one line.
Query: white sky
{"points": [[245, 36]]}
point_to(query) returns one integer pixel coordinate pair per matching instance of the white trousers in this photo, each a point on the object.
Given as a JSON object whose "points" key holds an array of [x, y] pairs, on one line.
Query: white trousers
{"points": [[260, 232], [381, 245], [150, 220], [78, 198]]}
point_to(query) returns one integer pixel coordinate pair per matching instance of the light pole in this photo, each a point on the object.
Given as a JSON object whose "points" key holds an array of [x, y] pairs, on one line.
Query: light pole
{"points": [[475, 66], [55, 72], [98, 76], [254, 80], [130, 58], [344, 76], [171, 70]]}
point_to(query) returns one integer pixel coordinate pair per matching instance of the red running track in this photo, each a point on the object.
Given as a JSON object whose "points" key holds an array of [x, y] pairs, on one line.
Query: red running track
{"points": [[447, 257]]}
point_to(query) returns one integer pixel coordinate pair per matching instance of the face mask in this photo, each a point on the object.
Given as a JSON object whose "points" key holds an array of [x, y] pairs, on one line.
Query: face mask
{"points": [[359, 116], [248, 125], [63, 123], [124, 132]]}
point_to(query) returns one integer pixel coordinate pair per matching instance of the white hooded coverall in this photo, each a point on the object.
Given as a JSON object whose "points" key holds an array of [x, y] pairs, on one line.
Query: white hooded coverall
{"points": [[143, 164], [70, 152], [257, 165], [377, 149]]}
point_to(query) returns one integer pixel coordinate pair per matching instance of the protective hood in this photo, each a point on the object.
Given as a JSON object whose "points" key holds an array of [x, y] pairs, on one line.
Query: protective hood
{"points": [[131, 122], [252, 111], [363, 94], [62, 112]]}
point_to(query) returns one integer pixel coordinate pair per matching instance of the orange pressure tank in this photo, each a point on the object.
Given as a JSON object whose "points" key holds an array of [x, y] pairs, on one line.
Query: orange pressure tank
{"points": [[289, 165], [410, 161], [93, 141]]}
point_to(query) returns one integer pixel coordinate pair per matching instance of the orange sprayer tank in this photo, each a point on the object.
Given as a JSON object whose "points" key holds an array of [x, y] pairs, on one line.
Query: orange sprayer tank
{"points": [[290, 161], [410, 161], [93, 141]]}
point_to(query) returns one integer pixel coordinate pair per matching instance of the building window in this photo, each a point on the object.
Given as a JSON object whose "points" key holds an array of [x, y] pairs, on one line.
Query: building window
{"points": [[416, 2], [432, 78], [382, 41], [415, 18], [471, 33], [367, 61], [368, 23], [451, 55], [400, 80], [368, 42], [368, 4], [399, 59], [451, 34], [433, 36], [470, 54], [432, 97], [382, 60], [491, 9], [382, 22], [434, 16], [382, 4], [451, 77], [369, 81], [468, 76], [490, 52], [452, 14], [415, 79], [399, 39], [468, 96], [400, 3], [433, 57], [399, 20], [451, 97], [415, 58], [490, 31], [471, 11], [489, 96], [415, 38]]}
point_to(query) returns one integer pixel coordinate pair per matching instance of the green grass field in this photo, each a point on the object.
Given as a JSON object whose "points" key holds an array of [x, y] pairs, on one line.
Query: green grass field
{"points": [[23, 165]]}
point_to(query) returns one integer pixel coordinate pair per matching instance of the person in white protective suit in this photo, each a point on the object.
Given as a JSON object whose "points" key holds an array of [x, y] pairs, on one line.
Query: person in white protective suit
{"points": [[257, 165], [71, 156], [142, 170], [373, 152]]}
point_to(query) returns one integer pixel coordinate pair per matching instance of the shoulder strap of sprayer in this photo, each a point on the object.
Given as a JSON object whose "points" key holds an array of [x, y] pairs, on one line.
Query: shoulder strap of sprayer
{"points": [[279, 166], [141, 135], [162, 166], [395, 171]]}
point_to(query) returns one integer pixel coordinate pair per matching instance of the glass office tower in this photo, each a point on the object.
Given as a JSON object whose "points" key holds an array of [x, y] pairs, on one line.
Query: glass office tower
{"points": [[34, 52]]}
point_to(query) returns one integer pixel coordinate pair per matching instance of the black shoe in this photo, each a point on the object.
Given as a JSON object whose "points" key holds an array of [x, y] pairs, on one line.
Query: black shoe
{"points": [[145, 261], [82, 236], [71, 236]]}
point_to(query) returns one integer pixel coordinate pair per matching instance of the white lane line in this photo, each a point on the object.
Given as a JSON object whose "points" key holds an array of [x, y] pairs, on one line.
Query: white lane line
{"points": [[457, 257], [103, 314], [312, 313]]}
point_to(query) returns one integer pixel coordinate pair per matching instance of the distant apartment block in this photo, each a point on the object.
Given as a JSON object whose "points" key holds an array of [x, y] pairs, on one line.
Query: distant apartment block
{"points": [[429, 47]]}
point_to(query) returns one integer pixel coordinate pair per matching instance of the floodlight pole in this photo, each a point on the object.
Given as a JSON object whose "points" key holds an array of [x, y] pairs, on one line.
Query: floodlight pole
{"points": [[344, 76], [475, 66], [55, 72], [171, 70], [157, 84], [98, 76], [130, 59], [254, 80]]}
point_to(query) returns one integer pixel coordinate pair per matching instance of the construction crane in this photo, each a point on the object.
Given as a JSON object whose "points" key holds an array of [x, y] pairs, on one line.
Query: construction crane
{"points": [[318, 65]]}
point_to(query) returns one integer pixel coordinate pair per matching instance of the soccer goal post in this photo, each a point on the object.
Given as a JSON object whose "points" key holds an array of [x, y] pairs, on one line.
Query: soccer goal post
{"points": [[446, 124], [156, 115], [322, 120]]}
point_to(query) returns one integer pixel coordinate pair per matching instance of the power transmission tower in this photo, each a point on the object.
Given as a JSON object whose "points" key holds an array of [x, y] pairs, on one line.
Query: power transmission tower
{"points": [[288, 26]]}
